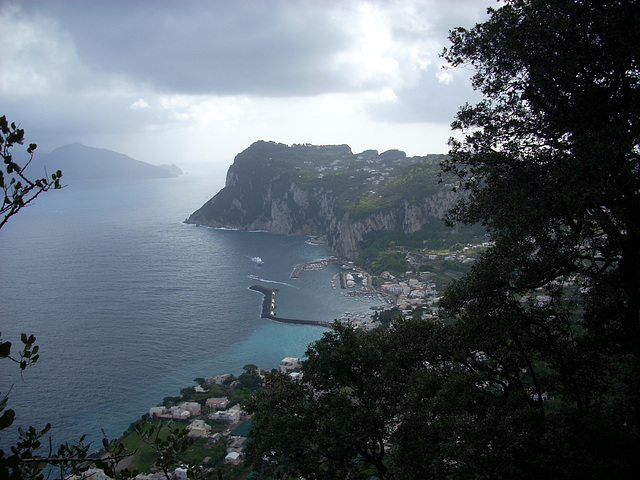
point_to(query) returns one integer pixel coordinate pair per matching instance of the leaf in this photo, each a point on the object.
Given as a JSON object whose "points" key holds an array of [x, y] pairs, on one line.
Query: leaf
{"points": [[5, 349], [7, 419]]}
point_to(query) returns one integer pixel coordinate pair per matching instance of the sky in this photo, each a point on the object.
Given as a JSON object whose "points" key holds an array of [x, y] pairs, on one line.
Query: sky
{"points": [[193, 83]]}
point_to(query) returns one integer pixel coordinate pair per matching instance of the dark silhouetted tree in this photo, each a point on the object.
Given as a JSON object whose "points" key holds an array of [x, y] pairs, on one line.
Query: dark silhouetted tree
{"points": [[17, 188], [550, 161], [533, 369]]}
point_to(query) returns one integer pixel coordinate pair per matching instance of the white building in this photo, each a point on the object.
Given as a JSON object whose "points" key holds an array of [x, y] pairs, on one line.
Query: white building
{"points": [[178, 413], [231, 415], [91, 474], [192, 407], [289, 363], [180, 473], [233, 458], [198, 428], [219, 403], [156, 411]]}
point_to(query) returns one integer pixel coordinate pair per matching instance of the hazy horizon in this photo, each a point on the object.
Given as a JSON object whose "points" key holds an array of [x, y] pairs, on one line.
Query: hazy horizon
{"points": [[195, 83]]}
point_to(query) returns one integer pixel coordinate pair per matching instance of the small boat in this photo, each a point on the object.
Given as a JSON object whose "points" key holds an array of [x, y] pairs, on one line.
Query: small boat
{"points": [[257, 260], [254, 277]]}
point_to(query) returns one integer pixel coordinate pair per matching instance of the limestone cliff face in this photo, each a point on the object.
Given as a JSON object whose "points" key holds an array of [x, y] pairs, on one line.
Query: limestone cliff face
{"points": [[346, 234], [262, 192]]}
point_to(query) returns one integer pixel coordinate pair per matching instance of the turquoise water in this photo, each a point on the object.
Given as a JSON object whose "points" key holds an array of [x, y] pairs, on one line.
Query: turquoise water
{"points": [[129, 304]]}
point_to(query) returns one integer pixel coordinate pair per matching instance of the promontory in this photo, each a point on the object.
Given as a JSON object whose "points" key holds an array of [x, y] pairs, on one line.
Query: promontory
{"points": [[327, 191]]}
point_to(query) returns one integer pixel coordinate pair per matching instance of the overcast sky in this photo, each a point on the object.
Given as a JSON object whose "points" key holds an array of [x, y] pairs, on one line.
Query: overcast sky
{"points": [[196, 82]]}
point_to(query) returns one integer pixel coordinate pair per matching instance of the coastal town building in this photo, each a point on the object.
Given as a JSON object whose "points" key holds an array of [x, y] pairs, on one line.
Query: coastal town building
{"points": [[237, 444], [233, 458], [297, 376], [156, 411], [198, 428], [289, 363], [178, 412], [91, 474], [217, 403], [230, 415], [192, 407], [217, 380], [180, 474]]}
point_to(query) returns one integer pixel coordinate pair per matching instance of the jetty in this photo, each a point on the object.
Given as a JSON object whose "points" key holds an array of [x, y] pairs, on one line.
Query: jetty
{"points": [[269, 308], [313, 265]]}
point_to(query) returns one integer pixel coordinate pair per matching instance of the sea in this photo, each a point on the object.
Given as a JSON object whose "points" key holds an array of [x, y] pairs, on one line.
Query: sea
{"points": [[129, 304]]}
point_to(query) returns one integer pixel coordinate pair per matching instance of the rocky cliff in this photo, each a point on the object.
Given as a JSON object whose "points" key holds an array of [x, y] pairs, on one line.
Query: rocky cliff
{"points": [[328, 191]]}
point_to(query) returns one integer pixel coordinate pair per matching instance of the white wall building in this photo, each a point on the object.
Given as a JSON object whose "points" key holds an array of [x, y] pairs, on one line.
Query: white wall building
{"points": [[180, 473], [192, 407], [289, 363], [231, 415], [198, 428]]}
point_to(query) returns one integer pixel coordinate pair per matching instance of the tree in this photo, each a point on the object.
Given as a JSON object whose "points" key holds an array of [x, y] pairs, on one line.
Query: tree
{"points": [[550, 164], [337, 421], [168, 443], [250, 380], [18, 189], [250, 368], [533, 369], [345, 417]]}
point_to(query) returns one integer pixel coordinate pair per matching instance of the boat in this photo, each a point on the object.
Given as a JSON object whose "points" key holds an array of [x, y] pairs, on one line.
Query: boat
{"points": [[254, 277], [257, 260]]}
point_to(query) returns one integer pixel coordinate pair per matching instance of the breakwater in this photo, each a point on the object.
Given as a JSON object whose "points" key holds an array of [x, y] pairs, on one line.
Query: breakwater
{"points": [[269, 308], [313, 265]]}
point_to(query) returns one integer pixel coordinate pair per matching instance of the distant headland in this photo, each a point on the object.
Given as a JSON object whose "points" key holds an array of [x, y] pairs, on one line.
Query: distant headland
{"points": [[328, 191]]}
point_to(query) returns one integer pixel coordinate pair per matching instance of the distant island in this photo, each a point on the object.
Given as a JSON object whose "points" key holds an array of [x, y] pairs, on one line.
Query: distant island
{"points": [[174, 170], [358, 204], [81, 164]]}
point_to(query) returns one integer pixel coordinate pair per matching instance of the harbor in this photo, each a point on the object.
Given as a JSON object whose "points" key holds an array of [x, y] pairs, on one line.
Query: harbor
{"points": [[269, 308], [313, 265]]}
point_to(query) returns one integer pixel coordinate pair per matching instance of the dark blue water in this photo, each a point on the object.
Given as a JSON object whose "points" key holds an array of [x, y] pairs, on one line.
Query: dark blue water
{"points": [[129, 304]]}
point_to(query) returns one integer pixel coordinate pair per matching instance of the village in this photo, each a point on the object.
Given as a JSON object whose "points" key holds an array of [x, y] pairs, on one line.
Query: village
{"points": [[217, 424], [414, 292], [211, 411]]}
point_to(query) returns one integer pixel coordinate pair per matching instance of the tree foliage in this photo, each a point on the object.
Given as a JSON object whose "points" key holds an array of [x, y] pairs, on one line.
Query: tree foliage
{"points": [[550, 160], [337, 422], [551, 165], [18, 189], [533, 371]]}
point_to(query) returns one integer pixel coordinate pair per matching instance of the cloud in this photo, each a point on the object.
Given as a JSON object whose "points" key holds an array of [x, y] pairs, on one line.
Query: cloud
{"points": [[220, 47], [36, 55], [139, 104], [264, 48], [128, 73], [434, 97]]}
